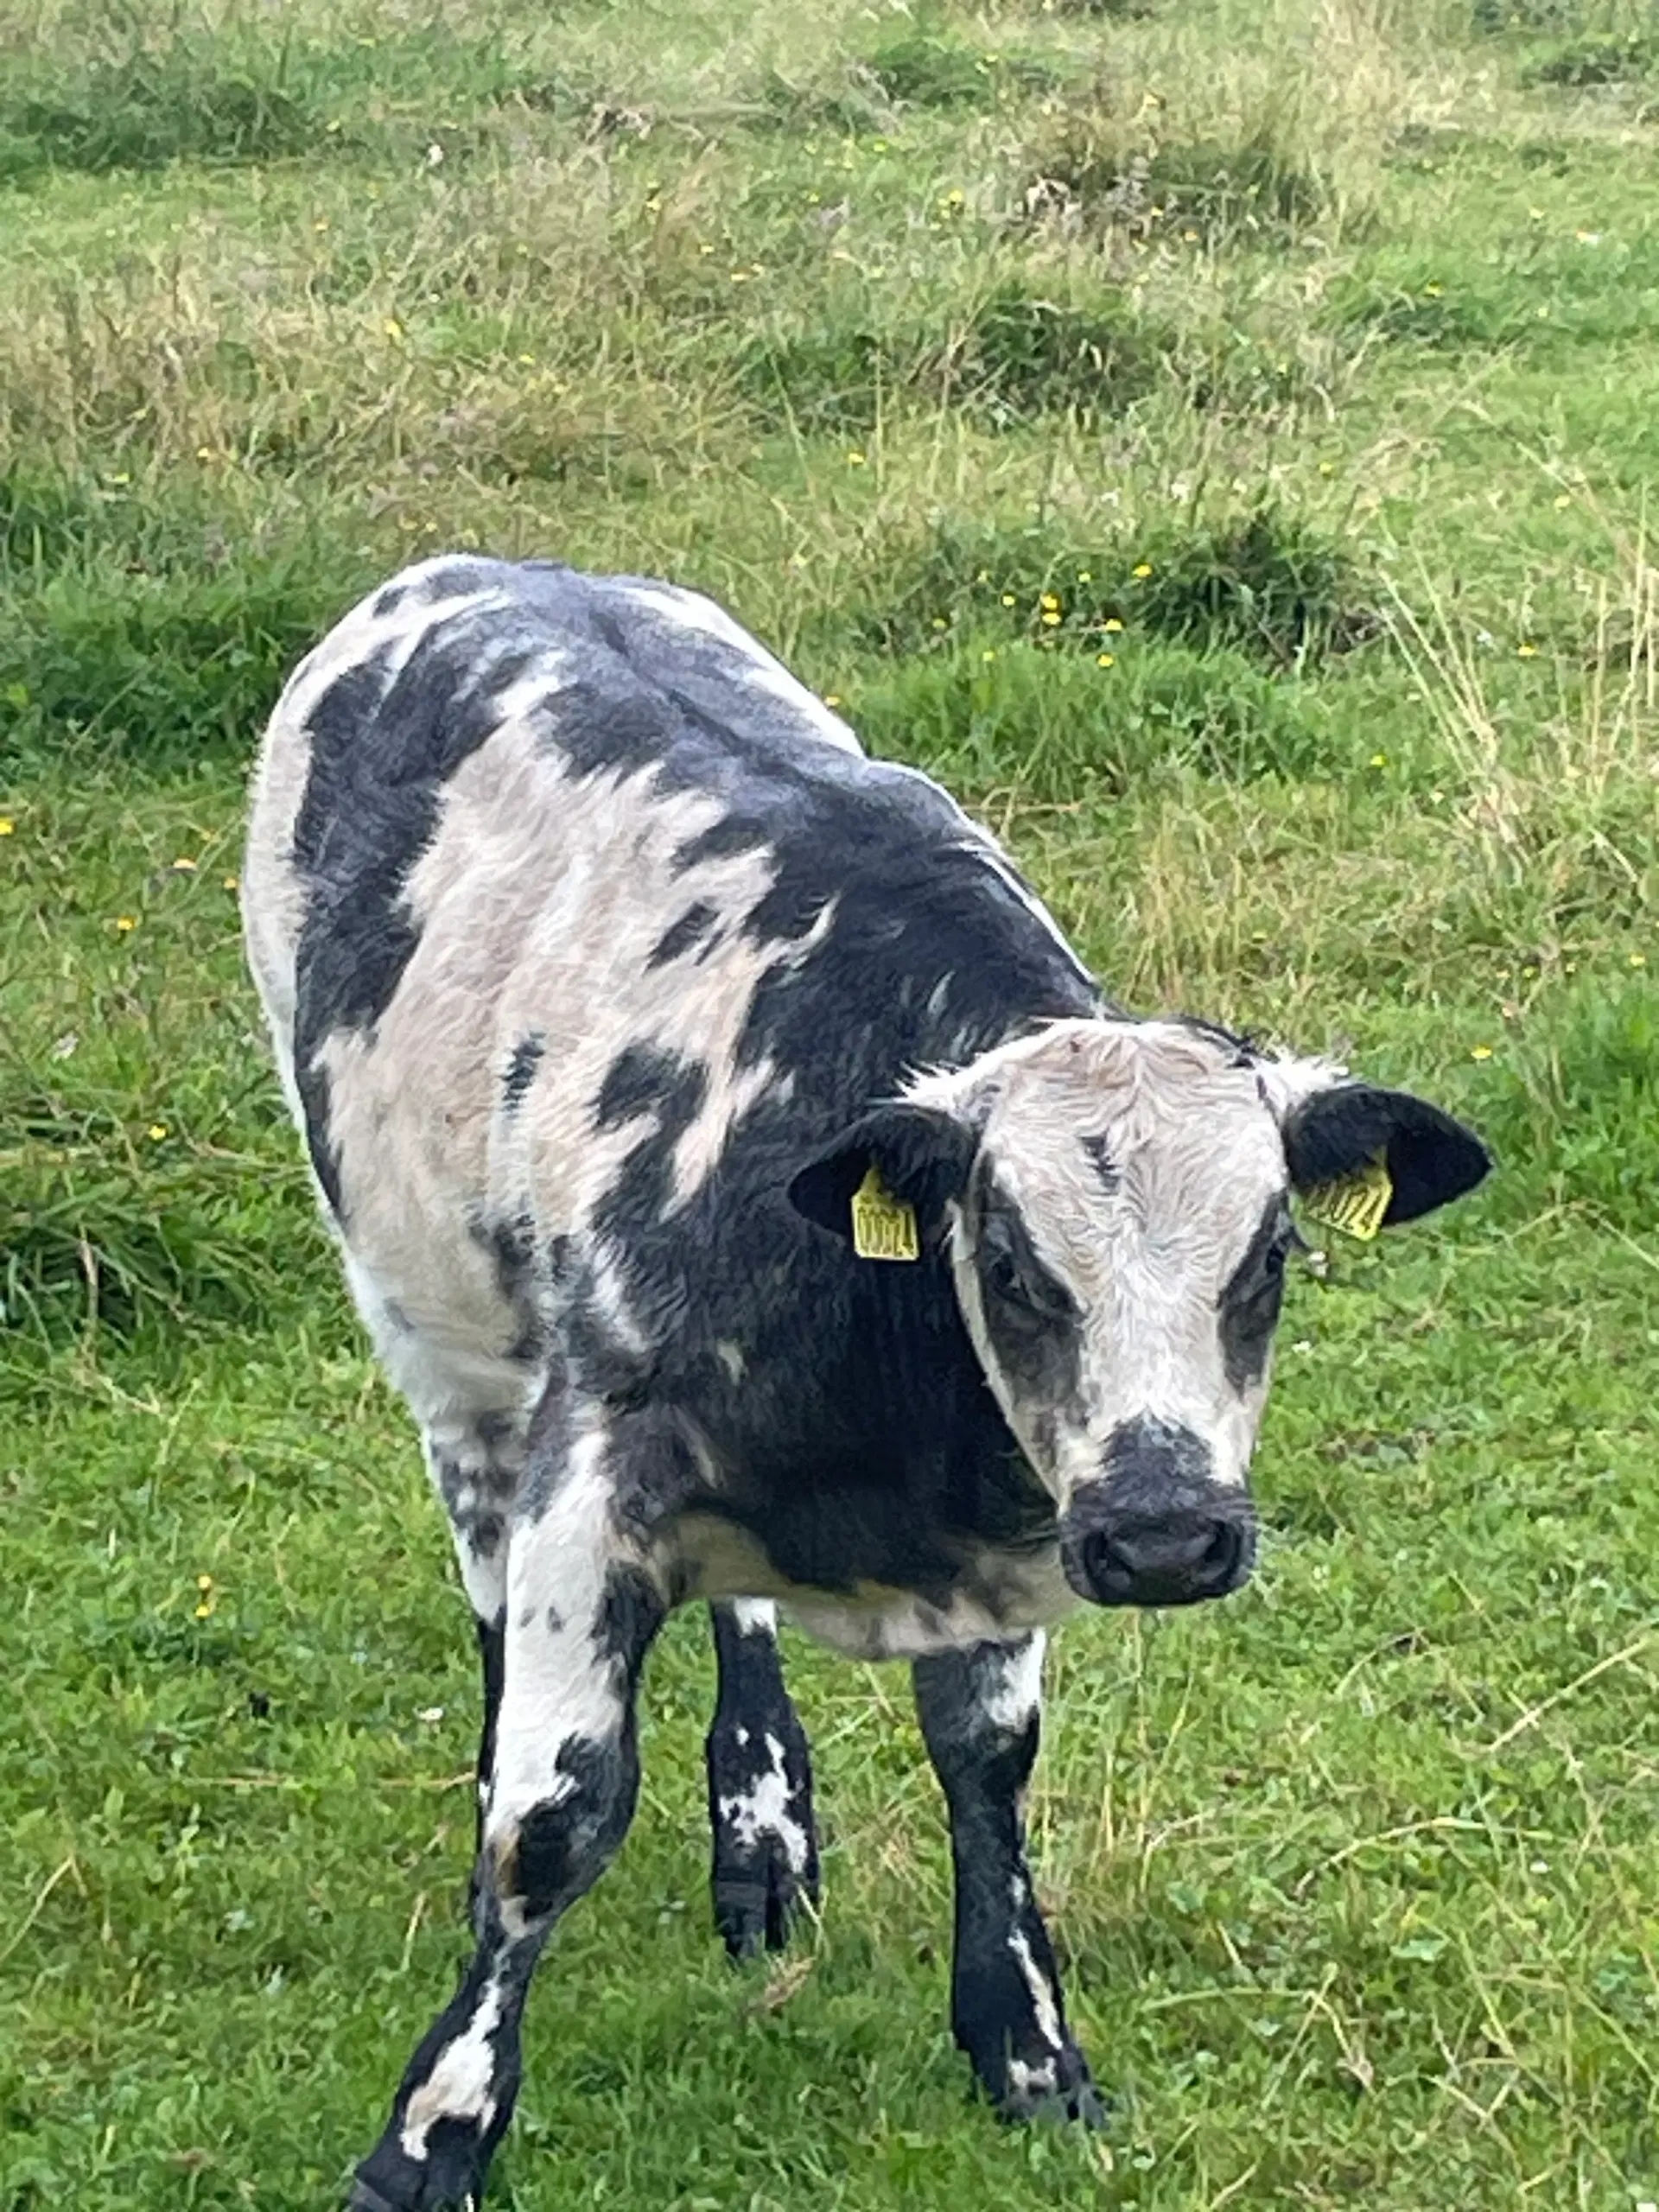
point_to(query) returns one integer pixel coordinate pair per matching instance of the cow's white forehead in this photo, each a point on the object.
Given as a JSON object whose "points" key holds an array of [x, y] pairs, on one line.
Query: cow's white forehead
{"points": [[1103, 1128]]}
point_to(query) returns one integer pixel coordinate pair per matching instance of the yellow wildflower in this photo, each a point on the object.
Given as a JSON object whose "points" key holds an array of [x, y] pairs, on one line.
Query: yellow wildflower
{"points": [[854, 458], [1639, 960], [1086, 575], [183, 867], [1527, 651], [989, 653], [1141, 569], [1008, 599], [1105, 660], [125, 922], [1480, 1052], [1049, 600], [832, 698], [1050, 617], [394, 329], [157, 1131], [230, 883], [1111, 623], [7, 825], [1379, 759]]}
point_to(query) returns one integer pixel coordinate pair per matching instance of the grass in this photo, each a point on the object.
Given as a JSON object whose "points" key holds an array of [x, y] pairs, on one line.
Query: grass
{"points": [[1299, 358]]}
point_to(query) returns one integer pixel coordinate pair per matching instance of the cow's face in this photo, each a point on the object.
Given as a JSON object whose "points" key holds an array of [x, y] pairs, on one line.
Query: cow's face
{"points": [[1115, 1200]]}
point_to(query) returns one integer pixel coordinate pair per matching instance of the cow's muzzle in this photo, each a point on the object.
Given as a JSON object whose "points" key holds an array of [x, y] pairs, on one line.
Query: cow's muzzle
{"points": [[1157, 1528]]}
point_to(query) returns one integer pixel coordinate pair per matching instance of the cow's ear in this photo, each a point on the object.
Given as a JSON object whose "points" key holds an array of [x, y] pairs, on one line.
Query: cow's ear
{"points": [[921, 1155], [1337, 1129]]}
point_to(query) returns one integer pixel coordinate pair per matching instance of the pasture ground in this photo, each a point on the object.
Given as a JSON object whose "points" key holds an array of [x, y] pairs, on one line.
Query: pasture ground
{"points": [[1301, 357]]}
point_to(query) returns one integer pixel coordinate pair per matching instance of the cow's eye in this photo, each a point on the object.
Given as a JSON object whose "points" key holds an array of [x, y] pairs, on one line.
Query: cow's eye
{"points": [[1016, 1283]]}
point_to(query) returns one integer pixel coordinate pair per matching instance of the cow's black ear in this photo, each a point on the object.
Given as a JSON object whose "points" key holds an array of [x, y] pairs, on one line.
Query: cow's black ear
{"points": [[922, 1153], [1431, 1158]]}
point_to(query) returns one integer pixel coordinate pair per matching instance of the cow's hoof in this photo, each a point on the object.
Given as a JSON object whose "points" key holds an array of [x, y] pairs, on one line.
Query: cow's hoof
{"points": [[755, 1910], [1057, 2089], [449, 2178]]}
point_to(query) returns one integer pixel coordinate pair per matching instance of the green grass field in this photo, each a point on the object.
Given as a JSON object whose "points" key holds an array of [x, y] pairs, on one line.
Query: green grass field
{"points": [[1216, 436]]}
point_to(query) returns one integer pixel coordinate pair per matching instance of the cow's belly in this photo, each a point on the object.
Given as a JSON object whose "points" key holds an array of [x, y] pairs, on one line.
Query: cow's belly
{"points": [[1002, 1594]]}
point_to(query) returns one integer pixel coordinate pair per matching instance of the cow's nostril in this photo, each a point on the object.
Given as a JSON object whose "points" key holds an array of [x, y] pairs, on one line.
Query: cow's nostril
{"points": [[1221, 1555]]}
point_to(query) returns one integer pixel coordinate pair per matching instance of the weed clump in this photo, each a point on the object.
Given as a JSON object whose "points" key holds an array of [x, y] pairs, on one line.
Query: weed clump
{"points": [[1264, 585], [1587, 64], [1014, 357], [149, 109], [1097, 176], [930, 66]]}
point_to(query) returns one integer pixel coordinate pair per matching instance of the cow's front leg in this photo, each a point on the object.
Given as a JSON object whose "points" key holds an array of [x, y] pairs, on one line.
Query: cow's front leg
{"points": [[580, 1613], [766, 1847], [981, 1710]]}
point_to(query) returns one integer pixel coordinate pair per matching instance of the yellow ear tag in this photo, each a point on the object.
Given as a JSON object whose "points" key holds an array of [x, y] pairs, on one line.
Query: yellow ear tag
{"points": [[884, 1227], [1354, 1203]]}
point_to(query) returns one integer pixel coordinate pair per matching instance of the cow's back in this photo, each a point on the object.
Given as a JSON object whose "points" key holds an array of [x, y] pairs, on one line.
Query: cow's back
{"points": [[511, 831]]}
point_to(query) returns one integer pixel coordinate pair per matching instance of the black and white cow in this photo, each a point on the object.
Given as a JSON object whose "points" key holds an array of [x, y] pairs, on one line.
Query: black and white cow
{"points": [[603, 969]]}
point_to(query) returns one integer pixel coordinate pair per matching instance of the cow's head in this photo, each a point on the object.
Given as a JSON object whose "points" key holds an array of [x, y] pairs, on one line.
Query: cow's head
{"points": [[1114, 1196]]}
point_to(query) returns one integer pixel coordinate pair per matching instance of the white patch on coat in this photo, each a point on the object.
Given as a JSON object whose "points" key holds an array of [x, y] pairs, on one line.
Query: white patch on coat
{"points": [[460, 2085], [1016, 1698], [1027, 2081], [1043, 2001], [754, 1617], [1198, 1156], [765, 1809], [557, 1686]]}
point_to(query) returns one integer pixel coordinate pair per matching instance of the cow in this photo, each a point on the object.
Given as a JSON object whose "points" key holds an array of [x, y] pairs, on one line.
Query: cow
{"points": [[757, 1202]]}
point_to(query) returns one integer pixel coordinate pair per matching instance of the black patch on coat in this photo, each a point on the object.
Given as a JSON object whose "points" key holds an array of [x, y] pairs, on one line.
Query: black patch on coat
{"points": [[646, 1080], [525, 1058], [722, 841], [631, 1611], [1034, 1324], [1247, 1309], [679, 937], [1107, 1172], [565, 1843], [389, 599]]}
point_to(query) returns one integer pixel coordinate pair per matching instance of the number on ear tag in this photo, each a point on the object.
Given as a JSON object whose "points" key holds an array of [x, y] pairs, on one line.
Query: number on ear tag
{"points": [[1354, 1203], [884, 1227]]}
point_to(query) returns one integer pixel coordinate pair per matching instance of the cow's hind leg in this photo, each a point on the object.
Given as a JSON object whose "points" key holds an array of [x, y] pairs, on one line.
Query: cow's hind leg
{"points": [[580, 1613], [765, 1846], [981, 1710], [475, 1468]]}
